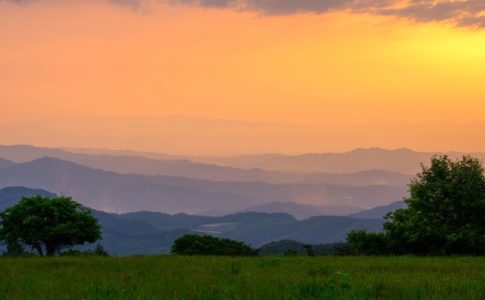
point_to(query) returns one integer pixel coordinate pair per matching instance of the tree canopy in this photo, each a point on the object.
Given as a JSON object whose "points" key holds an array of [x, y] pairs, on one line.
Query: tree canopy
{"points": [[444, 215], [191, 244], [47, 225]]}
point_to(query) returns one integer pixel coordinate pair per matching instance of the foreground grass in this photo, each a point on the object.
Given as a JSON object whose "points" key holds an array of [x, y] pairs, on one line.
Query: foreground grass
{"points": [[173, 277]]}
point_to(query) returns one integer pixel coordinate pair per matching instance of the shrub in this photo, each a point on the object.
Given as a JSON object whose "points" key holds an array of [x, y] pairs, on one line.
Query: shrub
{"points": [[191, 244]]}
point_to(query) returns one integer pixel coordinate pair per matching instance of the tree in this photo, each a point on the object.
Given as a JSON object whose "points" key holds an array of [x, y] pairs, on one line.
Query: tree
{"points": [[47, 225], [445, 210], [191, 244], [444, 215]]}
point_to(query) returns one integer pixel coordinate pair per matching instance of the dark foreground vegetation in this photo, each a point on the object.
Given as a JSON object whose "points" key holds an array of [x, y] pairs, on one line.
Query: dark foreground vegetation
{"points": [[445, 214], [191, 244], [46, 226], [194, 277]]}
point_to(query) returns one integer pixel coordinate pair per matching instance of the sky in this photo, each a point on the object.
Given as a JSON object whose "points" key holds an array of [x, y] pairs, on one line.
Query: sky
{"points": [[294, 75]]}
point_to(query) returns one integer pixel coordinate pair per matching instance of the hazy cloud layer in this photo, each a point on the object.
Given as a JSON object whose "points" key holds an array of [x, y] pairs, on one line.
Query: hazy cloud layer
{"points": [[460, 12], [283, 7], [463, 13]]}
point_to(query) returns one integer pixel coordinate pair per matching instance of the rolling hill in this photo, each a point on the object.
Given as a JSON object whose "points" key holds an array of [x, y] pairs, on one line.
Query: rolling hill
{"points": [[11, 195], [252, 228], [152, 232], [258, 228]]}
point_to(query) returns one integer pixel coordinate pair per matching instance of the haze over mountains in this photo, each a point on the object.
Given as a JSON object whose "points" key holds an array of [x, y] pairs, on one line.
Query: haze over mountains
{"points": [[328, 168], [131, 164], [138, 197], [115, 192], [304, 185], [205, 135], [401, 161]]}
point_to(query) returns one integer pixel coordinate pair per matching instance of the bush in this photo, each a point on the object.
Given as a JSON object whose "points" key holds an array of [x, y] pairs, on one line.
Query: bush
{"points": [[191, 244]]}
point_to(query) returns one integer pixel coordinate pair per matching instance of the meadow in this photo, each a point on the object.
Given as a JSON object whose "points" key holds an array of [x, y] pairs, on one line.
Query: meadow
{"points": [[178, 277]]}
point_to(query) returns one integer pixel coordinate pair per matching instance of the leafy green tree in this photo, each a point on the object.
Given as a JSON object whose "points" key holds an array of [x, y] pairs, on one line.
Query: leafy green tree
{"points": [[445, 210], [444, 215], [191, 244], [47, 225]]}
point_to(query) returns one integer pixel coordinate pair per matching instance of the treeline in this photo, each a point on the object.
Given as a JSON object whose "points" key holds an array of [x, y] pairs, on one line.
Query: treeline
{"points": [[193, 244]]}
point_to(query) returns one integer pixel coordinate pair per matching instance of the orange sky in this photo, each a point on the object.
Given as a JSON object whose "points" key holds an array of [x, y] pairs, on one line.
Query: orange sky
{"points": [[79, 59]]}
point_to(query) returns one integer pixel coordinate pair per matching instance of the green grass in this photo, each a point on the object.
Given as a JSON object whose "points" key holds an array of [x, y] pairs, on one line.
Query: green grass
{"points": [[173, 277]]}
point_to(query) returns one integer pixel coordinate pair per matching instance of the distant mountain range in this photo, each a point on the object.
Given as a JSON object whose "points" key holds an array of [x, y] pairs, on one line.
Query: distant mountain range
{"points": [[115, 192], [138, 197], [150, 232], [357, 167], [136, 164], [402, 161]]}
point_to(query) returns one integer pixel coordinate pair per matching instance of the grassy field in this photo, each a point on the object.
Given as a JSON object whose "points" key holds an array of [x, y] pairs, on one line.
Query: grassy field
{"points": [[172, 277]]}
